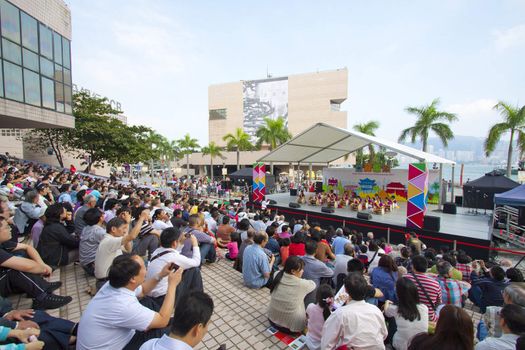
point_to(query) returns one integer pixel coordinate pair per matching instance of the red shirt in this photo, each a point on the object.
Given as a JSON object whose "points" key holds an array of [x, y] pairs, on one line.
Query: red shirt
{"points": [[285, 252], [297, 249]]}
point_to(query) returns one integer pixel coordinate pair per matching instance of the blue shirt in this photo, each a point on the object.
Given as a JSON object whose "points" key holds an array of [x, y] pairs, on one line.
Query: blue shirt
{"points": [[339, 244], [273, 246], [254, 265]]}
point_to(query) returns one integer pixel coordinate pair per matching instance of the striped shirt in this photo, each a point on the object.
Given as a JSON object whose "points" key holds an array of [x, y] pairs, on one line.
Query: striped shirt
{"points": [[452, 290], [433, 290], [465, 269]]}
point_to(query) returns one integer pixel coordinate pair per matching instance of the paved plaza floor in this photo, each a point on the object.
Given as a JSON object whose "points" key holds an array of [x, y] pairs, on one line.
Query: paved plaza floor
{"points": [[239, 320]]}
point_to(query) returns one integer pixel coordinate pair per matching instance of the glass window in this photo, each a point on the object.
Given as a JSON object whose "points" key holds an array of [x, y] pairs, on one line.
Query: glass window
{"points": [[46, 67], [58, 73], [59, 96], [10, 21], [29, 32], [48, 93], [12, 51], [68, 100], [13, 82], [67, 76], [31, 87], [66, 53], [46, 42], [1, 80], [57, 45], [30, 60]]}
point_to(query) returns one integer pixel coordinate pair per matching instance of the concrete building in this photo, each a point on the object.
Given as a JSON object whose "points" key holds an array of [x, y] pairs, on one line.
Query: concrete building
{"points": [[301, 99], [35, 69]]}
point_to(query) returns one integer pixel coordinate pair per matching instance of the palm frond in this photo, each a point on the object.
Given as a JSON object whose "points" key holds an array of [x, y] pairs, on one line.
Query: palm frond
{"points": [[494, 136]]}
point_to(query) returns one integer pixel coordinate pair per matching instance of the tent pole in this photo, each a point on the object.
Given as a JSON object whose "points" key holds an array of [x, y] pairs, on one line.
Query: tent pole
{"points": [[452, 189], [440, 202]]}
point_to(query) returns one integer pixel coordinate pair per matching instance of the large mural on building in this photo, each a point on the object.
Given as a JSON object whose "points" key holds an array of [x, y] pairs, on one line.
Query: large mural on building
{"points": [[264, 98]]}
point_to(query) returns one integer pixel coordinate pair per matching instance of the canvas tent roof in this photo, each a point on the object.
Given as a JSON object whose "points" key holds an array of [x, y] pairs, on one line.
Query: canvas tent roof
{"points": [[323, 143], [515, 197], [493, 180], [244, 172]]}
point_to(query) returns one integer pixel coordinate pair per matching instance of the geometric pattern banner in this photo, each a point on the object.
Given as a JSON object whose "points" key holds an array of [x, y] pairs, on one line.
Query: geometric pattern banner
{"points": [[417, 194], [259, 182]]}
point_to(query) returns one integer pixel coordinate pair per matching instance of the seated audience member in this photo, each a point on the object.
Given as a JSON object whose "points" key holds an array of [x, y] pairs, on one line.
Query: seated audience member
{"points": [[22, 336], [317, 314], [114, 243], [464, 265], [256, 265], [190, 324], [410, 315], [356, 266], [374, 253], [452, 291], [224, 231], [428, 288], [206, 242], [110, 209], [161, 220], [512, 324], [177, 220], [284, 251], [404, 259], [273, 244], [341, 261], [324, 252], [23, 275], [487, 291], [249, 241], [36, 231], [284, 231], [115, 313], [90, 238], [314, 269], [56, 246], [148, 238], [415, 242], [357, 324], [454, 273], [384, 278], [28, 213], [454, 331], [514, 275], [243, 226], [170, 239], [338, 245], [514, 293], [297, 245], [90, 202], [288, 314]]}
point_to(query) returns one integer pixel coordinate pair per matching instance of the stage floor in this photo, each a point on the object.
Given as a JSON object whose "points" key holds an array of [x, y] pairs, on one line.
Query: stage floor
{"points": [[464, 223]]}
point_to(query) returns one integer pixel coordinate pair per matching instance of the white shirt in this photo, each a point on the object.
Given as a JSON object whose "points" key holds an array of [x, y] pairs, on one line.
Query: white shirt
{"points": [[155, 266], [109, 248], [111, 318], [375, 262], [406, 330], [165, 343], [212, 224], [505, 342], [161, 225], [357, 324]]}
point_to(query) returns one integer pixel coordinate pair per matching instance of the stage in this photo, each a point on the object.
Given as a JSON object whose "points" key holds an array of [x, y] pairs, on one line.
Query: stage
{"points": [[466, 229]]}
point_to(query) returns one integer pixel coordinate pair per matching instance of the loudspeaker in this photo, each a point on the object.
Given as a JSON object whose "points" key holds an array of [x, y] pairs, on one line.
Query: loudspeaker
{"points": [[459, 201], [293, 191], [364, 216], [294, 205], [272, 202], [432, 223], [521, 217], [328, 210], [449, 208], [318, 187]]}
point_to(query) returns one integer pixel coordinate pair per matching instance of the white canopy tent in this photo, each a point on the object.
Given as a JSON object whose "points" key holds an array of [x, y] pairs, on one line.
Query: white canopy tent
{"points": [[322, 143]]}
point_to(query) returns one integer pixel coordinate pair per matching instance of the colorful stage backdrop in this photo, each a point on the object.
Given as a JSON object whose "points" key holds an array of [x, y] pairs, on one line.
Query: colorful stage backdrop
{"points": [[259, 182], [417, 194]]}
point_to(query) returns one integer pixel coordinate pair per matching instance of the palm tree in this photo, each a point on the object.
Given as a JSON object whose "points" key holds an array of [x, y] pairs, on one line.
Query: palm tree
{"points": [[273, 133], [429, 118], [213, 151], [155, 142], [187, 146], [368, 128], [238, 141], [514, 122]]}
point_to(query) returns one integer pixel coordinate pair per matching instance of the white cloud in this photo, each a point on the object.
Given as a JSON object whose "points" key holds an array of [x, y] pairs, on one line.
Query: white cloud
{"points": [[474, 117], [511, 37]]}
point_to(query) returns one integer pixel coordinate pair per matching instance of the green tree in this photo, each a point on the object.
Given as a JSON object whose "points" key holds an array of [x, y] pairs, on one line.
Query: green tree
{"points": [[213, 151], [429, 118], [514, 122], [273, 133], [367, 128], [54, 139], [188, 146], [238, 141]]}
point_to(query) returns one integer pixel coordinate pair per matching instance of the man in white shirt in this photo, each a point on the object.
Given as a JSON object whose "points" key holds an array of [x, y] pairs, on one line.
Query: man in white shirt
{"points": [[112, 244], [512, 324], [113, 315], [170, 240], [357, 324], [190, 324]]}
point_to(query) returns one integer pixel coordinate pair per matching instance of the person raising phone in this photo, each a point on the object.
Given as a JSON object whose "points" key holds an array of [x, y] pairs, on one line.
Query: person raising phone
{"points": [[171, 242]]}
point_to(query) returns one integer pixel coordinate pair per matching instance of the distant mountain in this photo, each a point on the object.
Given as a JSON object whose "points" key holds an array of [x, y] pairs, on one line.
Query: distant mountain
{"points": [[462, 143]]}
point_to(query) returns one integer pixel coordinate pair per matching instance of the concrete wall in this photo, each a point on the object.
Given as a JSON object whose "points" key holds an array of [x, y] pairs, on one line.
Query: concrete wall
{"points": [[228, 96], [54, 13]]}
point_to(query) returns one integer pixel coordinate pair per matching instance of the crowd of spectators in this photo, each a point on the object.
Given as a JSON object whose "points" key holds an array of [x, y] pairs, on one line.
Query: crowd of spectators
{"points": [[341, 288]]}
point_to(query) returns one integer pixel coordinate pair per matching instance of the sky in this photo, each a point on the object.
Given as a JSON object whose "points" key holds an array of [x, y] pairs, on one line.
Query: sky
{"points": [[157, 58]]}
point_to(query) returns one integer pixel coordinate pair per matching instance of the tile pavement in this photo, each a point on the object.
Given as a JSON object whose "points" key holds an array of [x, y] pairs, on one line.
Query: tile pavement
{"points": [[239, 320]]}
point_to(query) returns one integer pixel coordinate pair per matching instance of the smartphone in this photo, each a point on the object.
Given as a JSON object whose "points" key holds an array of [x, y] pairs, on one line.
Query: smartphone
{"points": [[174, 267]]}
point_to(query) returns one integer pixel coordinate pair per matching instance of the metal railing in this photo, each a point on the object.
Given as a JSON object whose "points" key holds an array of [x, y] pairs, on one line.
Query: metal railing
{"points": [[512, 232]]}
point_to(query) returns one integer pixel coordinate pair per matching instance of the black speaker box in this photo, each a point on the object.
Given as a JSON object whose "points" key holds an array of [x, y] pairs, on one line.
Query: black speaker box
{"points": [[521, 217], [449, 208], [318, 187], [364, 216], [293, 191], [294, 205], [432, 223], [328, 210], [459, 201]]}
